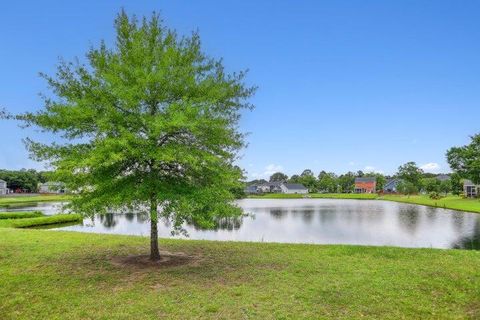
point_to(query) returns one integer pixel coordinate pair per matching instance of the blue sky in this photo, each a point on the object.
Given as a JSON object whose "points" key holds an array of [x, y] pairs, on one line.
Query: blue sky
{"points": [[343, 85]]}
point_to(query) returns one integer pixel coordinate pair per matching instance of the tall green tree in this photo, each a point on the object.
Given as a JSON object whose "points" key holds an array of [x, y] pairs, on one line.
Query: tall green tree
{"points": [[308, 180], [411, 173], [327, 182], [151, 124], [465, 160], [278, 177], [346, 182]]}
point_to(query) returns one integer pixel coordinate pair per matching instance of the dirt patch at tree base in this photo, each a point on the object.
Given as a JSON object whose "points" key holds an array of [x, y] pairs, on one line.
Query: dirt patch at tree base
{"points": [[167, 259]]}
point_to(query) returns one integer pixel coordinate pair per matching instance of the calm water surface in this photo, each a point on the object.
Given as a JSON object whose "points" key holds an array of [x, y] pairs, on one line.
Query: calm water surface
{"points": [[321, 221]]}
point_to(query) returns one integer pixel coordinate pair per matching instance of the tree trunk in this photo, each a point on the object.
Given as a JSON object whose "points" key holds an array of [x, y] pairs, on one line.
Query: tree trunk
{"points": [[154, 252]]}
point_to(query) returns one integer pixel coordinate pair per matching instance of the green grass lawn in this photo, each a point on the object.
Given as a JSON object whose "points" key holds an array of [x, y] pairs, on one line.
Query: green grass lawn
{"points": [[20, 215], [7, 201], [69, 275], [448, 202], [24, 221]]}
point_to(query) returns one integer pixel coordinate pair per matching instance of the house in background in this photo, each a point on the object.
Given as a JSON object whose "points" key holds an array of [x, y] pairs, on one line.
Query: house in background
{"points": [[3, 187], [470, 189], [366, 185], [391, 186], [277, 187], [294, 188], [443, 177], [52, 188]]}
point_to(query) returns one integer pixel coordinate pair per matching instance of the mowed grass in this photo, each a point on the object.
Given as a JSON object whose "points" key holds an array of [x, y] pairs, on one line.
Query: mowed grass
{"points": [[39, 220], [20, 215], [448, 202], [68, 275], [7, 201]]}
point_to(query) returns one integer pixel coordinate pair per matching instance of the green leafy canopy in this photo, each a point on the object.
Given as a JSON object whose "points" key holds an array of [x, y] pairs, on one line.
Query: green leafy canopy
{"points": [[152, 120]]}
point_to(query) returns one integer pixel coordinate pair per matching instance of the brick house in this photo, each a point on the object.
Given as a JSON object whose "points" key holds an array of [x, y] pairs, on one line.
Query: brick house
{"points": [[365, 185]]}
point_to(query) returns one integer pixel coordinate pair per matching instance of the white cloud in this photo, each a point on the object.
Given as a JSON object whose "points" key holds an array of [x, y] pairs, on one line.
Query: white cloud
{"points": [[272, 168], [269, 170], [371, 169], [431, 167], [351, 163]]}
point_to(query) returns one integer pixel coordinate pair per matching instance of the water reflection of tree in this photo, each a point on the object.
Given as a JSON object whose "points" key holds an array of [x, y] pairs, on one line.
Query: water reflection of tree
{"points": [[458, 220], [278, 213], [409, 218], [129, 216], [108, 220], [472, 241]]}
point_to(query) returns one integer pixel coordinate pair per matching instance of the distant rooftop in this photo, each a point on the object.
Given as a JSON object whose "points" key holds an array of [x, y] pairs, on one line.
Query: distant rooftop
{"points": [[295, 186], [366, 179]]}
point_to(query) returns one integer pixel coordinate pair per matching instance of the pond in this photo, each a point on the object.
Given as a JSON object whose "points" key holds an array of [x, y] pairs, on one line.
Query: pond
{"points": [[319, 221]]}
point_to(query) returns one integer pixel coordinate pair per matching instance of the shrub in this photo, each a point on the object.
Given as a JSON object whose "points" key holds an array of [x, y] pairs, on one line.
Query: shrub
{"points": [[46, 220], [20, 215], [434, 195]]}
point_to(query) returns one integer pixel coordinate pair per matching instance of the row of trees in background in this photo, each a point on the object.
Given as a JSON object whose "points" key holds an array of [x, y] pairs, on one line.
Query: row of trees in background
{"points": [[23, 180], [412, 180], [464, 162]]}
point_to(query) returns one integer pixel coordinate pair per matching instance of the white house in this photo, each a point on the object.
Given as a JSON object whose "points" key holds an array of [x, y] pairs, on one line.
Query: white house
{"points": [[470, 189], [277, 187], [3, 187], [293, 188], [52, 187]]}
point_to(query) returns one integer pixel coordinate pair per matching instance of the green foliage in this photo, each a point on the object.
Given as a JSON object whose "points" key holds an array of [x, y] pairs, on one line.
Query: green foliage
{"points": [[278, 176], [23, 200], [456, 183], [434, 195], [465, 160], [23, 180], [294, 179], [48, 220], [257, 182], [411, 173], [20, 215], [308, 180], [327, 182], [40, 221], [150, 123], [346, 182], [431, 185], [407, 187], [446, 186]]}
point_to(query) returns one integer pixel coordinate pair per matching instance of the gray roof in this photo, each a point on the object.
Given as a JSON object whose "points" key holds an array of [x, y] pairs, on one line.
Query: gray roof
{"points": [[443, 177], [2, 180], [366, 179], [295, 186], [468, 183]]}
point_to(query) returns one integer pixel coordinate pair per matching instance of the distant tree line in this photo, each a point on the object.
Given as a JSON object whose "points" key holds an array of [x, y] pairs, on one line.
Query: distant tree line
{"points": [[23, 180], [411, 178]]}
